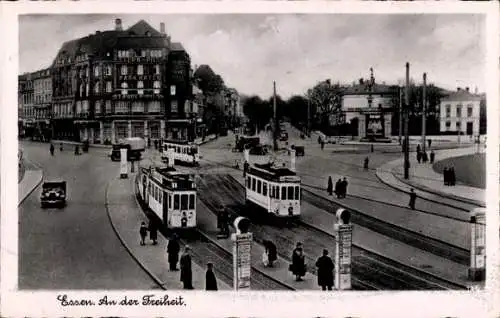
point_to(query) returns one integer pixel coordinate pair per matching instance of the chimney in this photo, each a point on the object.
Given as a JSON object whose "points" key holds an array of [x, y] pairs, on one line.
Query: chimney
{"points": [[467, 89], [162, 28], [118, 25]]}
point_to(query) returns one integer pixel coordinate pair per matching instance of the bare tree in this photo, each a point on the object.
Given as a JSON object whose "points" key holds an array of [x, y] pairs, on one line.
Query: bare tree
{"points": [[327, 99]]}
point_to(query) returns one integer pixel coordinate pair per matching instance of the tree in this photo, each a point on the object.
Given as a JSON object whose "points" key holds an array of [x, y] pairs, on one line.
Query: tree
{"points": [[258, 112], [327, 99], [296, 110]]}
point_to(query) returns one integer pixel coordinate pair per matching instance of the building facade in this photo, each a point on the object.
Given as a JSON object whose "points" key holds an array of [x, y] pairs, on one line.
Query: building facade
{"points": [[460, 112], [26, 107], [369, 107], [120, 83]]}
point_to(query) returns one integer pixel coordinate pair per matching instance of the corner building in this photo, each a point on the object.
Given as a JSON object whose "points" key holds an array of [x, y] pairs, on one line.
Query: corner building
{"points": [[119, 83]]}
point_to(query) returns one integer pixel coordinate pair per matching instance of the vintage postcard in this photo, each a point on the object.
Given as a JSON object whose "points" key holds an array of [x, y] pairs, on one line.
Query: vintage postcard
{"points": [[230, 159]]}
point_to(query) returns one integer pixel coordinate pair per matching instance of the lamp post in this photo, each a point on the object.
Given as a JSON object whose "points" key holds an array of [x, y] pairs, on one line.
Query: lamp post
{"points": [[407, 110], [424, 102]]}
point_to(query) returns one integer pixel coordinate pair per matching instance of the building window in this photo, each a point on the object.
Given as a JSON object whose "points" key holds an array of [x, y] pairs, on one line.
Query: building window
{"points": [[458, 126], [121, 107], [143, 53], [108, 70], [124, 70], [96, 88], [140, 86], [174, 107], [124, 88], [448, 124], [157, 69], [138, 107], [96, 71], [85, 106], [97, 107], [109, 87], [140, 70], [469, 110], [154, 107], [87, 72], [81, 90], [87, 88], [78, 107], [156, 86], [108, 106], [448, 111], [459, 111]]}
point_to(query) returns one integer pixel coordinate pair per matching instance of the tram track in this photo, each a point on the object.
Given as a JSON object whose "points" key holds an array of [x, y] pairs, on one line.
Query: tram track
{"points": [[370, 271], [204, 250]]}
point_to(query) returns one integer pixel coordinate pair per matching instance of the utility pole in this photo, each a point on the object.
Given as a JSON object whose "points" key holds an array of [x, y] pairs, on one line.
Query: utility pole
{"points": [[407, 110], [400, 114], [308, 113], [276, 126], [424, 109]]}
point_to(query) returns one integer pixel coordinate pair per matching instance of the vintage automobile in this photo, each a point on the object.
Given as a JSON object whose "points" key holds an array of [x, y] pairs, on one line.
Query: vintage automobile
{"points": [[283, 136], [53, 194]]}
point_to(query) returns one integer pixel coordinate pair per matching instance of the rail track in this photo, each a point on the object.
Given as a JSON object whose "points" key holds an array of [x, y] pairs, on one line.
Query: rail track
{"points": [[203, 250], [370, 271]]}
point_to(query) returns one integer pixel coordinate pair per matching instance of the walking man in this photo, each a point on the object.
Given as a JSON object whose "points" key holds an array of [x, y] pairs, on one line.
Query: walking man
{"points": [[186, 271], [329, 188], [413, 199], [173, 249], [419, 156], [432, 156], [446, 176], [338, 186], [210, 280], [51, 149], [365, 164], [153, 232], [325, 271], [143, 232], [344, 187]]}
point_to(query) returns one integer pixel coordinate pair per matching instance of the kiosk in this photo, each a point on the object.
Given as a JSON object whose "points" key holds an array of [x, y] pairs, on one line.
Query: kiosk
{"points": [[343, 246], [242, 248]]}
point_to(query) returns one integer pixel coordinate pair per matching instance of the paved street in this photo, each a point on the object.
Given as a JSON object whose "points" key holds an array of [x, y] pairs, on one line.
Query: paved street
{"points": [[75, 247]]}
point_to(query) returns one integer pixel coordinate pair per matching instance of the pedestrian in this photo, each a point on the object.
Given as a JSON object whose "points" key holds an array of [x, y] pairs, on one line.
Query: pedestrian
{"points": [[270, 254], [446, 174], [429, 142], [61, 146], [419, 156], [432, 156], [425, 158], [77, 150], [344, 187], [173, 249], [149, 143], [143, 232], [246, 165], [51, 149], [329, 188], [452, 176], [418, 148], [365, 164], [153, 232], [298, 266], [322, 145], [186, 271], [371, 148], [413, 199], [338, 186], [319, 140], [156, 144], [210, 280], [325, 271]]}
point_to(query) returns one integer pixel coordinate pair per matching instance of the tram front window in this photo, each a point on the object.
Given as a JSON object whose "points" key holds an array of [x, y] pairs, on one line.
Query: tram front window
{"points": [[290, 193], [194, 151], [176, 202], [184, 201]]}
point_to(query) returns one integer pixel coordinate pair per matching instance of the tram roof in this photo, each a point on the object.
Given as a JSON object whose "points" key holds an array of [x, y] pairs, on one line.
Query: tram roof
{"points": [[268, 171], [169, 175]]}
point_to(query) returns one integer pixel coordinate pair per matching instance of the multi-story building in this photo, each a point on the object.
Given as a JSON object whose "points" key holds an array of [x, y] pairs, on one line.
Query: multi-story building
{"points": [[42, 92], [119, 83], [460, 112], [371, 106], [26, 107]]}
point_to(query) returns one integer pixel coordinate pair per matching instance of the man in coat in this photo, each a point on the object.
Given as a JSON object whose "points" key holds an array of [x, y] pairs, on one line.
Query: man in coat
{"points": [[413, 199], [338, 186], [186, 270], [52, 149], [325, 271], [153, 232], [432, 156], [173, 249], [329, 188], [210, 280], [344, 187], [298, 266]]}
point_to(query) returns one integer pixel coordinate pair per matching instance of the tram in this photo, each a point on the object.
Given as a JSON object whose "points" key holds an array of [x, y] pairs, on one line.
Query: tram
{"points": [[169, 194], [274, 189], [183, 152]]}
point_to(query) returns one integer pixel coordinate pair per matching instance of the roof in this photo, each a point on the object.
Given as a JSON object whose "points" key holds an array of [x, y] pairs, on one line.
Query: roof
{"points": [[268, 171], [141, 28], [460, 96], [177, 46], [364, 88], [204, 71]]}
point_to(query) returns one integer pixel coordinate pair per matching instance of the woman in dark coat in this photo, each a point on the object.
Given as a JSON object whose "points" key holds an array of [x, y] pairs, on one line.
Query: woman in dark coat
{"points": [[153, 232], [298, 266], [325, 271], [329, 188], [338, 189], [186, 271], [452, 176], [271, 251], [173, 249], [210, 280]]}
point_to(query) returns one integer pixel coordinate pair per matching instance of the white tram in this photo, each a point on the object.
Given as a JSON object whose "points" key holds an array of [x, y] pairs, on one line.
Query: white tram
{"points": [[171, 195], [275, 189], [183, 152]]}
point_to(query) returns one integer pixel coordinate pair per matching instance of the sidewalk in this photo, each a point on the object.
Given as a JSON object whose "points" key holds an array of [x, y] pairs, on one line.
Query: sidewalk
{"points": [[423, 177], [31, 180], [125, 217], [388, 247]]}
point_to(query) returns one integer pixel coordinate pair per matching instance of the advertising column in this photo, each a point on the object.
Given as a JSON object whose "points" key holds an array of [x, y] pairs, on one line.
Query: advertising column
{"points": [[242, 248], [343, 246], [123, 164], [292, 160], [477, 270]]}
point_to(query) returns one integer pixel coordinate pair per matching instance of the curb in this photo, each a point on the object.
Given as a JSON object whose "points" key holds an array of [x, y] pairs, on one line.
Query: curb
{"points": [[35, 185], [436, 192], [150, 274]]}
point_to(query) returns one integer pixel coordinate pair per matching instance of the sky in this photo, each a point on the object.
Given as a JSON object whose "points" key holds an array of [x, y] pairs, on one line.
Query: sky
{"points": [[250, 51]]}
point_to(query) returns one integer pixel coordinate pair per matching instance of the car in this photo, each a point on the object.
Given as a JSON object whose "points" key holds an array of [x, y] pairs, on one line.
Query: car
{"points": [[53, 194], [283, 136], [258, 150]]}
